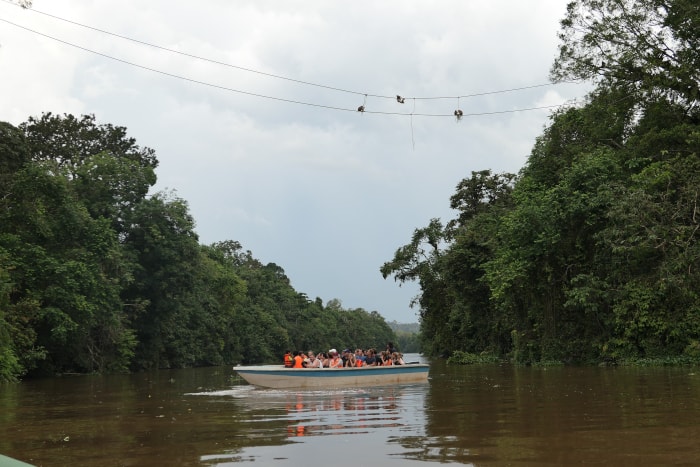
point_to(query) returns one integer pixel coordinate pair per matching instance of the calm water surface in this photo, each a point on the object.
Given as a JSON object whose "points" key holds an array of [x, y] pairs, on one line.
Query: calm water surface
{"points": [[471, 415]]}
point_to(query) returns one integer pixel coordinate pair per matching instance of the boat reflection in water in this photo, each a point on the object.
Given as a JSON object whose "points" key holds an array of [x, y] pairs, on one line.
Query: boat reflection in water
{"points": [[351, 412], [286, 424]]}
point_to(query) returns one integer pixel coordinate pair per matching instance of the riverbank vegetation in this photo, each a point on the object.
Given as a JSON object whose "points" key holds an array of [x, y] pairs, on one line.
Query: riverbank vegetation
{"points": [[97, 276], [407, 336], [590, 253]]}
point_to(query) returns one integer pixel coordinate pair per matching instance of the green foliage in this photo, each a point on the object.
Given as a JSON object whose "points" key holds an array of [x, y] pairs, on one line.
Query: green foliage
{"points": [[448, 263], [459, 357], [408, 338], [96, 276], [651, 45], [408, 342], [15, 154], [669, 360], [10, 366]]}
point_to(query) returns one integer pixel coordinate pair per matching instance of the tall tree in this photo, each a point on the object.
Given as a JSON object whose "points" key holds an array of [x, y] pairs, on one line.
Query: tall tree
{"points": [[447, 262], [110, 173], [162, 243], [10, 366], [652, 46], [15, 154], [60, 263]]}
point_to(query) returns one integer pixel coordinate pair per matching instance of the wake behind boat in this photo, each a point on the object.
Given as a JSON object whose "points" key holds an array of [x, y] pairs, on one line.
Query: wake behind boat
{"points": [[279, 377]]}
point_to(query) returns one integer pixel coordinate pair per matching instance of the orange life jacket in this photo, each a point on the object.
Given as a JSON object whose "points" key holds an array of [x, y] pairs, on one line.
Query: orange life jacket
{"points": [[297, 362], [358, 363], [335, 362], [288, 360]]}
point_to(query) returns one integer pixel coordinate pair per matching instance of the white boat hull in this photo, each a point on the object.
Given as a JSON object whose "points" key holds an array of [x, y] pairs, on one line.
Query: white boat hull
{"points": [[276, 376]]}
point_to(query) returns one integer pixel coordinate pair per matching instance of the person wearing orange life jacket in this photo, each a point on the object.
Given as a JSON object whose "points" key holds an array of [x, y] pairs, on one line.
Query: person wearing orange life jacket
{"points": [[288, 360], [386, 358], [298, 360], [334, 361], [359, 358]]}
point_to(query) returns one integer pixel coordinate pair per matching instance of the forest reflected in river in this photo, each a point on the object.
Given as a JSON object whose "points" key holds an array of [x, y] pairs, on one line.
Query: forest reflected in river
{"points": [[492, 415]]}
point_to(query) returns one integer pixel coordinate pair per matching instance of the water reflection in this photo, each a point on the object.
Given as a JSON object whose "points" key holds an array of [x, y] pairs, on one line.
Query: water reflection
{"points": [[469, 415], [387, 414], [506, 415]]}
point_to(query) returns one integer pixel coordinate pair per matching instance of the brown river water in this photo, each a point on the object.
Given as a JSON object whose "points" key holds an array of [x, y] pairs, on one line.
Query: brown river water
{"points": [[495, 415]]}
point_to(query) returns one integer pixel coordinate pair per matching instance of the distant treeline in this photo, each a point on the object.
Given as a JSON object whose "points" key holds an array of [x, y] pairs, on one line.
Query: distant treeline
{"points": [[590, 253], [96, 276], [407, 336]]}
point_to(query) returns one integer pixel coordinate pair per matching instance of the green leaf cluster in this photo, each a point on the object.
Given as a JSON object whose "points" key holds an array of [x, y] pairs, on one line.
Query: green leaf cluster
{"points": [[459, 357]]}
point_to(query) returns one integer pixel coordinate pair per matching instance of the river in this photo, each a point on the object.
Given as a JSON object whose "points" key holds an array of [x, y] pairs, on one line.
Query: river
{"points": [[494, 415]]}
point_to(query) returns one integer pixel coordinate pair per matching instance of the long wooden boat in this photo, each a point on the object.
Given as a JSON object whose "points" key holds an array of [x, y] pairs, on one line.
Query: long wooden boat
{"points": [[279, 377]]}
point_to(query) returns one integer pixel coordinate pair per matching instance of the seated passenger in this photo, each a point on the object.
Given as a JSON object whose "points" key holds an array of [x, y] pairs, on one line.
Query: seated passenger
{"points": [[313, 361], [288, 359], [344, 356], [349, 359], [298, 360], [397, 358], [371, 359], [334, 361], [386, 358], [360, 355]]}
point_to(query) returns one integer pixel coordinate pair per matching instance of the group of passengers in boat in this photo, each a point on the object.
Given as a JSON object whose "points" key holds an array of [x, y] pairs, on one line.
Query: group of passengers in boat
{"points": [[348, 358]]}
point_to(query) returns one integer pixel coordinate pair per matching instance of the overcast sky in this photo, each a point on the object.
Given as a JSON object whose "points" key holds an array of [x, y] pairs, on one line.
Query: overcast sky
{"points": [[267, 146]]}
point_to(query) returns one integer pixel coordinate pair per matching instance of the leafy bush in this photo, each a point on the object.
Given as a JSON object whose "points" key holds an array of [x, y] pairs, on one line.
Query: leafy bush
{"points": [[467, 358]]}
